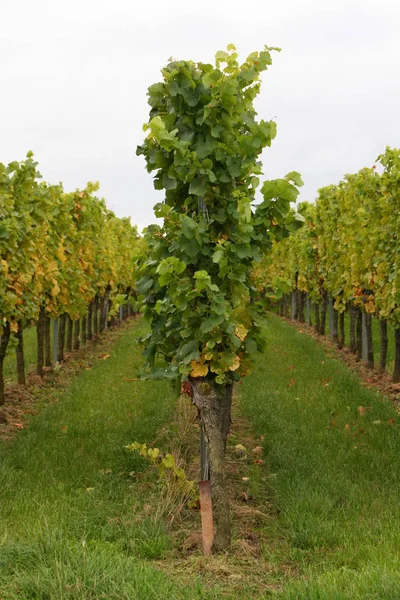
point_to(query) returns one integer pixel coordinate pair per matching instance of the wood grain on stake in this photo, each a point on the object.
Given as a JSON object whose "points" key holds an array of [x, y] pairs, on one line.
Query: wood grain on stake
{"points": [[207, 526]]}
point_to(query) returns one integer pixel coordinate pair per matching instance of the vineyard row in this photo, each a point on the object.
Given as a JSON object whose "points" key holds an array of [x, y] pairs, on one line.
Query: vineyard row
{"points": [[349, 251], [62, 255]]}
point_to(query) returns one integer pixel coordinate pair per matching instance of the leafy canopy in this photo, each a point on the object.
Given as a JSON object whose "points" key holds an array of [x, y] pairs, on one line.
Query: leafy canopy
{"points": [[350, 246], [203, 143], [58, 250]]}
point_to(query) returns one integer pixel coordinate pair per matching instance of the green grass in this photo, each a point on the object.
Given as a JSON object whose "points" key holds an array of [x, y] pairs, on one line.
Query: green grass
{"points": [[333, 473], [72, 523], [70, 497]]}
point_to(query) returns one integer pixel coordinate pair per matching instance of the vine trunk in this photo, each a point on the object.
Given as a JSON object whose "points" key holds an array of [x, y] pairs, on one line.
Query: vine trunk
{"points": [[214, 402]]}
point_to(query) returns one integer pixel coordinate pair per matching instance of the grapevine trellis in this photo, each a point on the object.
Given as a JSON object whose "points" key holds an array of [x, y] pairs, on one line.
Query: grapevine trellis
{"points": [[346, 258], [62, 256], [204, 142]]}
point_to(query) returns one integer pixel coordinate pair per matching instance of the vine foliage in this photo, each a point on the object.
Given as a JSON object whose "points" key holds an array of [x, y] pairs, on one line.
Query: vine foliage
{"points": [[203, 145]]}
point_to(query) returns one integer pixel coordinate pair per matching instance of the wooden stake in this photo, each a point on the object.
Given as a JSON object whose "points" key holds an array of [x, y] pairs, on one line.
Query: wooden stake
{"points": [[207, 526]]}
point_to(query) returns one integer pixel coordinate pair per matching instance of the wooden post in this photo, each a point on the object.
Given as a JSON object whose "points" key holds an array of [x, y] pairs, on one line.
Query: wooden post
{"points": [[19, 352], [293, 305], [341, 340], [384, 345], [55, 341], [353, 334], [40, 326], [204, 462], [396, 370], [330, 304], [47, 341], [207, 525], [369, 340], [324, 306], [364, 338], [4, 339], [61, 337]]}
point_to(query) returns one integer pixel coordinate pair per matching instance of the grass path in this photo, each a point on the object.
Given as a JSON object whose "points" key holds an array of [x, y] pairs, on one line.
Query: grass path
{"points": [[74, 523], [333, 455], [68, 526]]}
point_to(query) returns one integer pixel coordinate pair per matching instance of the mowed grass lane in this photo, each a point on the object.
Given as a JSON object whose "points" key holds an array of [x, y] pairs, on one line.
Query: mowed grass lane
{"points": [[68, 502], [332, 449]]}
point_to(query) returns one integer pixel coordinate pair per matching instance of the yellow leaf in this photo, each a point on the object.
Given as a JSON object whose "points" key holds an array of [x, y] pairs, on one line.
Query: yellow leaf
{"points": [[245, 367], [241, 331], [61, 254], [56, 289], [143, 450], [153, 452], [198, 370], [236, 364], [52, 266], [14, 326]]}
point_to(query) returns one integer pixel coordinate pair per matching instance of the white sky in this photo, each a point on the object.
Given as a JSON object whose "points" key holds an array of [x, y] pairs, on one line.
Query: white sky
{"points": [[74, 76]]}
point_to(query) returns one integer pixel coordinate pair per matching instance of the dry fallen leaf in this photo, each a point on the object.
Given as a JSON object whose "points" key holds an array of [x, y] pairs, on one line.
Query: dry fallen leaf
{"points": [[240, 449]]}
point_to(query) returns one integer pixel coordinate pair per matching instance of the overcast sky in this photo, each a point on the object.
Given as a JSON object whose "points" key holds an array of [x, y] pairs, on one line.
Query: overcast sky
{"points": [[74, 76]]}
